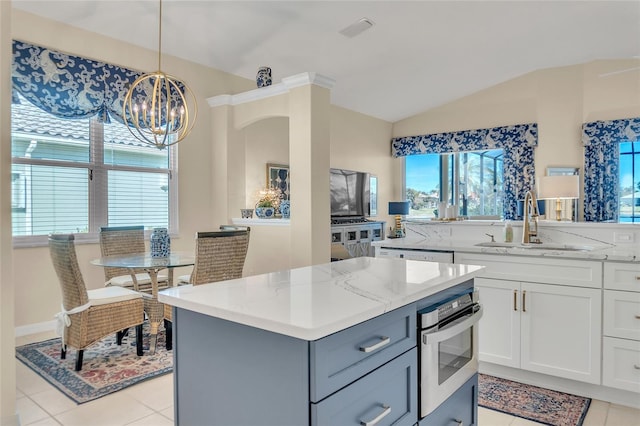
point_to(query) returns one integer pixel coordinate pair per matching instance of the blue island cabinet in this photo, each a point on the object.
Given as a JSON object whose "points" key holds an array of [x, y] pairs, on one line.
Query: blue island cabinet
{"points": [[226, 373]]}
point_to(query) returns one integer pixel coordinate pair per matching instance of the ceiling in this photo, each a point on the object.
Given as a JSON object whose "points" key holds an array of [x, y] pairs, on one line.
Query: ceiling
{"points": [[418, 55]]}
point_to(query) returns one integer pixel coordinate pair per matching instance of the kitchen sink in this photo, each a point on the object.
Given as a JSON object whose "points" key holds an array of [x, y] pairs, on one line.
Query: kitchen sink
{"points": [[537, 246]]}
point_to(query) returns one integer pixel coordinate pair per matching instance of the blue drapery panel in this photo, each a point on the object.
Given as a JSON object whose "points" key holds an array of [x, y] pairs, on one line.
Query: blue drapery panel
{"points": [[601, 141], [69, 86], [517, 141]]}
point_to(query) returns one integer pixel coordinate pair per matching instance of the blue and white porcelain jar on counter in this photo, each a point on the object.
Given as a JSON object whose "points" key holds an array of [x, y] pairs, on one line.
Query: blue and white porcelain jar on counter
{"points": [[285, 209], [160, 243]]}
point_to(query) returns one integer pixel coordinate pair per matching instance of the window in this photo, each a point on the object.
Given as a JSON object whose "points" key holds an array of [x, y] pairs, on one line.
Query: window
{"points": [[472, 180], [629, 181], [73, 176]]}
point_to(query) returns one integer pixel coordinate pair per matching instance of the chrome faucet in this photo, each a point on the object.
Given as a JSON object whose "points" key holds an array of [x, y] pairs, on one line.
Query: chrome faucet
{"points": [[529, 218]]}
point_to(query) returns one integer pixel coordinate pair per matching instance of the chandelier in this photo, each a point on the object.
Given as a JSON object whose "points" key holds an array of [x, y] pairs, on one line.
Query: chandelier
{"points": [[160, 110]]}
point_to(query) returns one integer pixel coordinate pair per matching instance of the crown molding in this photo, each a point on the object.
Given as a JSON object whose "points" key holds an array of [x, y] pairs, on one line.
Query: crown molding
{"points": [[288, 83]]}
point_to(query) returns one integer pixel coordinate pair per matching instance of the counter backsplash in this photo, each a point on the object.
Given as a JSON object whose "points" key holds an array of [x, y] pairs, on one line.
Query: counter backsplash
{"points": [[620, 239]]}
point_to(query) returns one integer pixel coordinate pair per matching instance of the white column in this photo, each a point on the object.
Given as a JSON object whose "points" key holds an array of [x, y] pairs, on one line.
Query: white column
{"points": [[8, 414], [309, 157]]}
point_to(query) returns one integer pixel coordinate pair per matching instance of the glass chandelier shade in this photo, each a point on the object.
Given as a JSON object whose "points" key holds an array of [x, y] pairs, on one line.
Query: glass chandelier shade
{"points": [[160, 110]]}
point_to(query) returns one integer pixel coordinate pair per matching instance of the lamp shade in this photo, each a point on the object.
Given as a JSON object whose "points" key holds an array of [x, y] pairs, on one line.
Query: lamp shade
{"points": [[558, 187], [398, 207]]}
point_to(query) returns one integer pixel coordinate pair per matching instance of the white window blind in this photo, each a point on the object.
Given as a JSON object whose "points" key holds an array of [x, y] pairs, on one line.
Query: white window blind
{"points": [[73, 176]]}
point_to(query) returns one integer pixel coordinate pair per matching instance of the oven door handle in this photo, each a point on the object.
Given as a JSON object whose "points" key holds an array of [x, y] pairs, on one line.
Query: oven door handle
{"points": [[452, 329]]}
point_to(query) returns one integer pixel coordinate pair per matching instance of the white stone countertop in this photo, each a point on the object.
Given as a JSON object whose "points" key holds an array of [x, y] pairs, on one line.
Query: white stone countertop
{"points": [[586, 251], [312, 302]]}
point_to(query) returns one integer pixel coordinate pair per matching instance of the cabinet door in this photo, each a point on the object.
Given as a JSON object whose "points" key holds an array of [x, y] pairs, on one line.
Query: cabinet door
{"points": [[560, 331], [499, 328]]}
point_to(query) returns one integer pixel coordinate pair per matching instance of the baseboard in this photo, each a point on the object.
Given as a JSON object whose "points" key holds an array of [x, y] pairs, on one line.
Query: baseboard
{"points": [[602, 393], [10, 420], [41, 327]]}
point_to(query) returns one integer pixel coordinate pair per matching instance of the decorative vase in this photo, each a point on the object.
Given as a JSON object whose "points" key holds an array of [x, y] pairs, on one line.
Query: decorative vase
{"points": [[285, 206], [265, 212], [160, 243], [246, 213], [263, 78]]}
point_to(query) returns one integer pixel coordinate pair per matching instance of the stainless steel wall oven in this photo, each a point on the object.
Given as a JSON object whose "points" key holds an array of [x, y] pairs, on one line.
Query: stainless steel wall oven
{"points": [[448, 346]]}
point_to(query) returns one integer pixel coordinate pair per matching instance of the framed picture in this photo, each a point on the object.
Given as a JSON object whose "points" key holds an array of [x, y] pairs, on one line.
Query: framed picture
{"points": [[278, 177]]}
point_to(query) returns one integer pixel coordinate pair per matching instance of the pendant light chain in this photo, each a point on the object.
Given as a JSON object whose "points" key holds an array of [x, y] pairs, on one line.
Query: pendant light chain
{"points": [[163, 118]]}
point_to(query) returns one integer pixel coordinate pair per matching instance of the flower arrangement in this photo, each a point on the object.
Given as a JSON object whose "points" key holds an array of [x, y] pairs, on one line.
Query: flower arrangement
{"points": [[269, 197]]}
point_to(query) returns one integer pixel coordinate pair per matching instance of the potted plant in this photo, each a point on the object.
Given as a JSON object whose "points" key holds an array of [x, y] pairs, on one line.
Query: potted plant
{"points": [[268, 203]]}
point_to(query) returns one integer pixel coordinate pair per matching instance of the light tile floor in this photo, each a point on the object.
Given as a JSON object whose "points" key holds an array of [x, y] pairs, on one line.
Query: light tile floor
{"points": [[151, 403]]}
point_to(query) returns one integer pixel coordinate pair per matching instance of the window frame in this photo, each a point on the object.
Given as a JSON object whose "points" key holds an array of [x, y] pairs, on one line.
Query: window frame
{"points": [[450, 164], [98, 186]]}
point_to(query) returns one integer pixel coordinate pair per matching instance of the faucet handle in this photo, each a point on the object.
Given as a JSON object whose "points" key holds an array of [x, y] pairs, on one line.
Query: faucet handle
{"points": [[491, 235]]}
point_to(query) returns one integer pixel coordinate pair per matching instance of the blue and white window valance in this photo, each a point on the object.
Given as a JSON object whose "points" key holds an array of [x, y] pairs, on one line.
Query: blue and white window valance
{"points": [[69, 86], [518, 142], [601, 140]]}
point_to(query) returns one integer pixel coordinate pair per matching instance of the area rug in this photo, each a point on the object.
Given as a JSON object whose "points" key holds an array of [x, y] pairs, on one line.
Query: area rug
{"points": [[107, 367], [541, 405]]}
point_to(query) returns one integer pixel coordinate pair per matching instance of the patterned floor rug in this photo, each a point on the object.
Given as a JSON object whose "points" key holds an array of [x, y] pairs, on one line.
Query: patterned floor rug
{"points": [[107, 367], [530, 402]]}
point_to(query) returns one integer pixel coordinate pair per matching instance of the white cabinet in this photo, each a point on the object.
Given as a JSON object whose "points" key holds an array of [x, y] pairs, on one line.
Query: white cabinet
{"points": [[621, 326], [548, 327]]}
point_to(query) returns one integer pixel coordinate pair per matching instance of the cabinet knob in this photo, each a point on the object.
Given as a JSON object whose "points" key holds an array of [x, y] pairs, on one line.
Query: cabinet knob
{"points": [[459, 422]]}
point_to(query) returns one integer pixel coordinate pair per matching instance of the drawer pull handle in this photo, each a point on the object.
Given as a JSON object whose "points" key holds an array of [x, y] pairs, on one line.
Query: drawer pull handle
{"points": [[459, 422], [384, 340], [524, 300], [637, 316], [515, 300], [637, 277], [385, 412], [636, 366]]}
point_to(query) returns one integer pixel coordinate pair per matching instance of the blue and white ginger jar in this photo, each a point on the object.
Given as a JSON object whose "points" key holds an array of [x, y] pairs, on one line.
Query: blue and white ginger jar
{"points": [[160, 243], [263, 78], [285, 206]]}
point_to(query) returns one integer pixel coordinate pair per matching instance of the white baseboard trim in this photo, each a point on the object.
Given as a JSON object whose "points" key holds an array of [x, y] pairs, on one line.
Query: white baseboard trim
{"points": [[10, 420], [41, 327], [602, 393]]}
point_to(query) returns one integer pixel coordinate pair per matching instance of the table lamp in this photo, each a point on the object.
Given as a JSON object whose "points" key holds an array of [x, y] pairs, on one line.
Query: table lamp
{"points": [[398, 208], [560, 187]]}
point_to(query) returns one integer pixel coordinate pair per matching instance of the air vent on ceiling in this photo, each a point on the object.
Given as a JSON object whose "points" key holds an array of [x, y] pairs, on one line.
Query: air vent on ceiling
{"points": [[357, 27]]}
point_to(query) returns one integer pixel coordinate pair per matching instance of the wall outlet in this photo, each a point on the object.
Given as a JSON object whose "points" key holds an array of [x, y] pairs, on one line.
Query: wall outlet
{"points": [[623, 237]]}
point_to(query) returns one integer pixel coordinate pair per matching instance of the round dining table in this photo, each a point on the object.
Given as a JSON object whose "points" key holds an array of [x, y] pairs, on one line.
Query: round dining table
{"points": [[152, 266]]}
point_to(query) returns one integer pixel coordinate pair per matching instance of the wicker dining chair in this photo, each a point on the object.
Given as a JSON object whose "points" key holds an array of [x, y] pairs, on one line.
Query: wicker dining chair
{"points": [[120, 240], [219, 256], [90, 315]]}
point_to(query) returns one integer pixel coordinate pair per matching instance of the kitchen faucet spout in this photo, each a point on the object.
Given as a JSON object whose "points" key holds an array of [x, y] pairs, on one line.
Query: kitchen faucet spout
{"points": [[530, 219]]}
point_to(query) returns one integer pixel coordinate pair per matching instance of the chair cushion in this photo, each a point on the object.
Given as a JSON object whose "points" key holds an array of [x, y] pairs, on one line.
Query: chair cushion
{"points": [[142, 278], [105, 295]]}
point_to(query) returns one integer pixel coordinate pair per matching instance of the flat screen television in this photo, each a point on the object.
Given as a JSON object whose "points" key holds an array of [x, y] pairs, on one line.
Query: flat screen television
{"points": [[351, 193]]}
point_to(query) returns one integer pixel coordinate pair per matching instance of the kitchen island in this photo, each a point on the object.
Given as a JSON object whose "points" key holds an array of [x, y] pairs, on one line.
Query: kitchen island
{"points": [[307, 346]]}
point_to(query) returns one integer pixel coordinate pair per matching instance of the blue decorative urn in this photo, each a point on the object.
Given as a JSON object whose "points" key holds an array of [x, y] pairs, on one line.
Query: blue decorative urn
{"points": [[285, 206], [263, 78], [160, 243]]}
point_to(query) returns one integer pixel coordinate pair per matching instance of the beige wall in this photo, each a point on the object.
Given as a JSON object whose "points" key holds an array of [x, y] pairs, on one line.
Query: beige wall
{"points": [[558, 99]]}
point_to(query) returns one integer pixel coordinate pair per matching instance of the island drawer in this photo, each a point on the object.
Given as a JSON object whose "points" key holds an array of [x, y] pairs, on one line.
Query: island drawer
{"points": [[621, 364], [622, 276], [578, 273], [387, 396], [621, 314], [342, 358]]}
